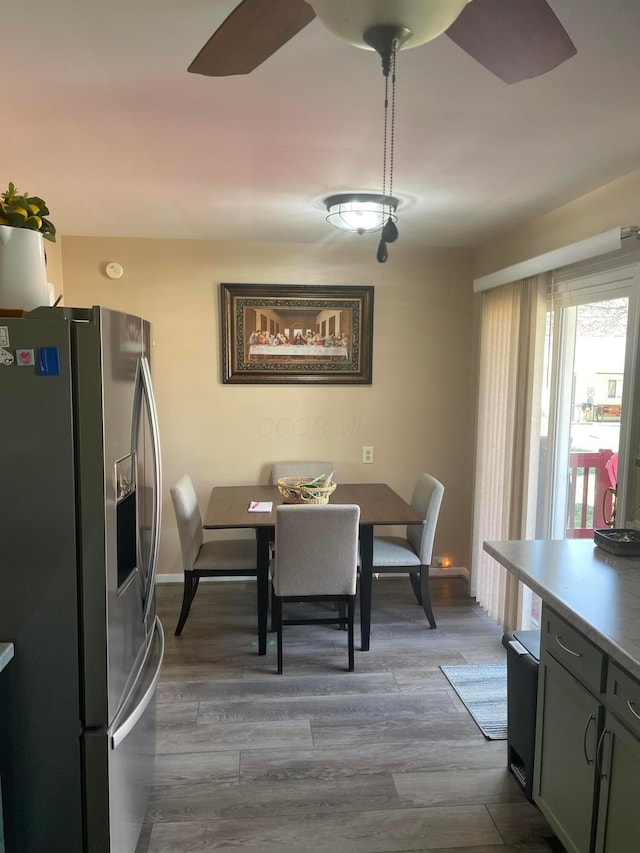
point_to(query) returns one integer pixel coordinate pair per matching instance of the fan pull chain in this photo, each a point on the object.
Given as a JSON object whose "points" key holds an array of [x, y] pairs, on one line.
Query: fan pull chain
{"points": [[393, 117], [389, 231], [384, 136]]}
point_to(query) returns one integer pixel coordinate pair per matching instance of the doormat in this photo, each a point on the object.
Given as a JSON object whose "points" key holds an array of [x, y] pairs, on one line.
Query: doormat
{"points": [[483, 690]]}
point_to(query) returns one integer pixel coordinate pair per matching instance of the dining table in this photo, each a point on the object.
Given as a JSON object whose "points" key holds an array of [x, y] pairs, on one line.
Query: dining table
{"points": [[228, 508]]}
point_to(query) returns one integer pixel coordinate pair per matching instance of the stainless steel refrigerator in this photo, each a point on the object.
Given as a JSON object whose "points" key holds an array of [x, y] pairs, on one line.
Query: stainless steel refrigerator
{"points": [[79, 527]]}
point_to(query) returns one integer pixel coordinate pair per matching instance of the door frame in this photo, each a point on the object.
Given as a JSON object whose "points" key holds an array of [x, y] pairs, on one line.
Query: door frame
{"points": [[623, 282]]}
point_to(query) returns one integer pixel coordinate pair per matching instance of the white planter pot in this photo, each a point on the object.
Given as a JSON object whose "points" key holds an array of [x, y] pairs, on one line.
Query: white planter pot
{"points": [[23, 272]]}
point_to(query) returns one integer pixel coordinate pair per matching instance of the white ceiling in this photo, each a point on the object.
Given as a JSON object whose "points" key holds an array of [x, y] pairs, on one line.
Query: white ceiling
{"points": [[99, 116]]}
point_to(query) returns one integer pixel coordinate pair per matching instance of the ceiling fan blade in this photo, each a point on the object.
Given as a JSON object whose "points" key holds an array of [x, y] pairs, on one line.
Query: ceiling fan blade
{"points": [[250, 34], [514, 39]]}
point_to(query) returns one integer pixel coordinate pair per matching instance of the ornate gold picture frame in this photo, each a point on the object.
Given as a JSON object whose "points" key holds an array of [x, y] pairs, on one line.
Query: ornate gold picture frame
{"points": [[291, 334]]}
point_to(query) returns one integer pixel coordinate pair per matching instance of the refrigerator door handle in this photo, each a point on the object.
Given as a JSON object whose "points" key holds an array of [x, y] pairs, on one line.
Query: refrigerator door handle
{"points": [[143, 382], [126, 727], [155, 440]]}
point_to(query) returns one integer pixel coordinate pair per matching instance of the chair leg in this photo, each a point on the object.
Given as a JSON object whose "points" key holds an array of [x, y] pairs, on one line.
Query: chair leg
{"points": [[273, 618], [414, 577], [426, 596], [276, 616], [190, 587], [350, 614]]}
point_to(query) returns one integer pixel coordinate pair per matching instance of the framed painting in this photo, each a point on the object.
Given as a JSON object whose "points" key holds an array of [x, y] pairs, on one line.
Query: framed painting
{"points": [[297, 333]]}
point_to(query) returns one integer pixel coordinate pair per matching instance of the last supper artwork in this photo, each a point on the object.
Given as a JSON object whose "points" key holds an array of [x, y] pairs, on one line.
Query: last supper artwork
{"points": [[298, 333]]}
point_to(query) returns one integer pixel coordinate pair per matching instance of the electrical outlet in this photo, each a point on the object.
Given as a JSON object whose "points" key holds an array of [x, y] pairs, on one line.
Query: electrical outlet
{"points": [[367, 454]]}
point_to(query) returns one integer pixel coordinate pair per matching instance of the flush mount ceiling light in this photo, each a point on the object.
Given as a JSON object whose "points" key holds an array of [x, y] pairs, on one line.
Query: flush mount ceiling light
{"points": [[360, 212]]}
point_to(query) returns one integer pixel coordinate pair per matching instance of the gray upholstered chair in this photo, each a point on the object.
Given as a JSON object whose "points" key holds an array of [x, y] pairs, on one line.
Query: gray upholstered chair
{"points": [[304, 468], [412, 553], [316, 560], [219, 558]]}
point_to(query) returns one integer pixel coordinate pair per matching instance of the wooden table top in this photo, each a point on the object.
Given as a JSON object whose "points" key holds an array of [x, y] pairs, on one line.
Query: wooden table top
{"points": [[378, 503]]}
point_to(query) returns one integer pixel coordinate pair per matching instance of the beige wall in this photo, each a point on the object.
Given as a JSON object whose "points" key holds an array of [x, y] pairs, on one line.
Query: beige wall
{"points": [[616, 203], [416, 414]]}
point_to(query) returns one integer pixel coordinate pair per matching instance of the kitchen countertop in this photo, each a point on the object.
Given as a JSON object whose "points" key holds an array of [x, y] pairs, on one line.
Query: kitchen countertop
{"points": [[6, 653], [596, 592]]}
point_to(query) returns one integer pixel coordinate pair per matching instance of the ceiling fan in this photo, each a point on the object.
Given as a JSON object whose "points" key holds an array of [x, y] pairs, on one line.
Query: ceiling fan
{"points": [[513, 39]]}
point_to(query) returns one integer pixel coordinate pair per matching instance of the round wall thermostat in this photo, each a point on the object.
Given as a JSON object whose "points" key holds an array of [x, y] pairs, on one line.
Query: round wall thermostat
{"points": [[114, 270]]}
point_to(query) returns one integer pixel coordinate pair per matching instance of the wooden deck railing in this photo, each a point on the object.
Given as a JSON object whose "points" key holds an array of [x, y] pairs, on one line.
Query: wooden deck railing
{"points": [[589, 493]]}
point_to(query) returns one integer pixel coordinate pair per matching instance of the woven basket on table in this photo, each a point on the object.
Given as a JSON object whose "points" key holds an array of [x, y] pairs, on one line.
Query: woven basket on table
{"points": [[296, 490]]}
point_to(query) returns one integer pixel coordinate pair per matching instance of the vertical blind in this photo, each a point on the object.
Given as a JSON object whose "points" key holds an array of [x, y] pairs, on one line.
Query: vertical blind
{"points": [[507, 441]]}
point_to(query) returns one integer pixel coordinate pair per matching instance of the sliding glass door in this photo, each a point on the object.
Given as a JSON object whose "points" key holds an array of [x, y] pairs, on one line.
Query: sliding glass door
{"points": [[591, 360], [589, 368]]}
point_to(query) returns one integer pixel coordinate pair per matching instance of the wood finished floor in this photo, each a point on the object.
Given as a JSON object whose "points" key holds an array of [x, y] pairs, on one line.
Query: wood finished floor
{"points": [[320, 759]]}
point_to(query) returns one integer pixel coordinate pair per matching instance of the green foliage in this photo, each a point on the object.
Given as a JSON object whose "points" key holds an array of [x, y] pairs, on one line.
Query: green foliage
{"points": [[577, 519], [23, 211]]}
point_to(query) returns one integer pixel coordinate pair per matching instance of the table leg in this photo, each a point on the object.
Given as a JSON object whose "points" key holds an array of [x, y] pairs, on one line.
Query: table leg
{"points": [[366, 560], [263, 554]]}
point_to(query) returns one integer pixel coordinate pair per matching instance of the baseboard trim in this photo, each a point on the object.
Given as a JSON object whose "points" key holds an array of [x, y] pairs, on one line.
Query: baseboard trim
{"points": [[454, 571]]}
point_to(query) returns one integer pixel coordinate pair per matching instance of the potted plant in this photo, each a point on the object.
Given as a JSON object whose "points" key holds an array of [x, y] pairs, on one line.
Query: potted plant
{"points": [[23, 226], [20, 210]]}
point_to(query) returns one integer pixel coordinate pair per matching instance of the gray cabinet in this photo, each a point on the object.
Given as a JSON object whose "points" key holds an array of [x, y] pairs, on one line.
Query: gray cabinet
{"points": [[618, 761], [587, 760], [618, 765], [565, 782]]}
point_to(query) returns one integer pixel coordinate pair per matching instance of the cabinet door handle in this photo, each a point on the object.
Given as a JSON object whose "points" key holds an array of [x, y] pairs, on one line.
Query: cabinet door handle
{"points": [[630, 706], [591, 719], [565, 649], [599, 751]]}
